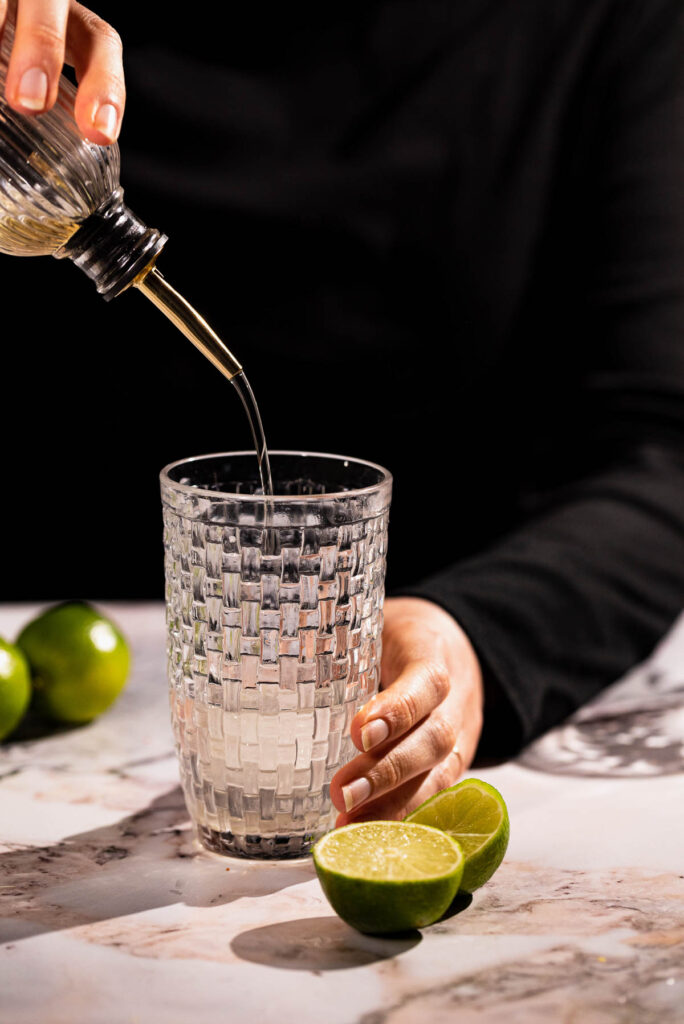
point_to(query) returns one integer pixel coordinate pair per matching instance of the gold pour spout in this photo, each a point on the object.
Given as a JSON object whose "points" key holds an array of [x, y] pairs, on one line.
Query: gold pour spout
{"points": [[195, 328]]}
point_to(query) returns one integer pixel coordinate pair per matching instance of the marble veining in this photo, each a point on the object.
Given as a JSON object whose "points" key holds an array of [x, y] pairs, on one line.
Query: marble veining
{"points": [[111, 913]]}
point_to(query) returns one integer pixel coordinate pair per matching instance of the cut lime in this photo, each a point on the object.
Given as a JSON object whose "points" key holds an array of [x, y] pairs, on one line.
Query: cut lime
{"points": [[15, 687], [473, 813], [387, 876]]}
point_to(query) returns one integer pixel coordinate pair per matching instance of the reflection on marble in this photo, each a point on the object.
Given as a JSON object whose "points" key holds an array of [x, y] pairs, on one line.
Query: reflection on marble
{"points": [[634, 729], [631, 743], [111, 913]]}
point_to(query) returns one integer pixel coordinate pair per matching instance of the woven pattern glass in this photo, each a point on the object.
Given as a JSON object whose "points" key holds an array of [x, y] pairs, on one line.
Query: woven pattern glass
{"points": [[274, 638]]}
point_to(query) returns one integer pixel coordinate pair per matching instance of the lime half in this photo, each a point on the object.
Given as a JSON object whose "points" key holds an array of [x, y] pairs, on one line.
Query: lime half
{"points": [[387, 876], [473, 813]]}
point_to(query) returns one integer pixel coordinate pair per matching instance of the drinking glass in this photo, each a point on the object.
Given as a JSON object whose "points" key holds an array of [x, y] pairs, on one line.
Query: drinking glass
{"points": [[274, 620]]}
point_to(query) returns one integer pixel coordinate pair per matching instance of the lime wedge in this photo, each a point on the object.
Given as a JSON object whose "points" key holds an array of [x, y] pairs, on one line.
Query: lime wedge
{"points": [[473, 813], [387, 876]]}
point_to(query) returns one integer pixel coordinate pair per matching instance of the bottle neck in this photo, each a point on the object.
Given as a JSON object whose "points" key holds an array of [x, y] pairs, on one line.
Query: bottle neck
{"points": [[113, 246]]}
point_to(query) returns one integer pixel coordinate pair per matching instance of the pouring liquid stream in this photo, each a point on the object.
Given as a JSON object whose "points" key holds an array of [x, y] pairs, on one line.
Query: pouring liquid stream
{"points": [[60, 195], [23, 235], [155, 287]]}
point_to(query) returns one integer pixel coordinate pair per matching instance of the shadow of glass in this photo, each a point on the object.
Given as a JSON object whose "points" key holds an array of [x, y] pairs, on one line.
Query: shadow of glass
{"points": [[144, 861], [318, 944]]}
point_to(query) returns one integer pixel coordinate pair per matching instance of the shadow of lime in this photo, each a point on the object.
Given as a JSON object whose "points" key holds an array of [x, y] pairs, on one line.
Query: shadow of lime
{"points": [[318, 944], [327, 943], [460, 902], [36, 726]]}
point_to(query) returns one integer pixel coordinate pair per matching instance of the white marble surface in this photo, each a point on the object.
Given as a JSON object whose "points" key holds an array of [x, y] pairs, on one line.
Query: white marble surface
{"points": [[110, 913]]}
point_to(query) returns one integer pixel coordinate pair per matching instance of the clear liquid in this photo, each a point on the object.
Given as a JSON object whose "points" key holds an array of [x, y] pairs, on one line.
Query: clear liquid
{"points": [[248, 400], [34, 230], [25, 236], [179, 311]]}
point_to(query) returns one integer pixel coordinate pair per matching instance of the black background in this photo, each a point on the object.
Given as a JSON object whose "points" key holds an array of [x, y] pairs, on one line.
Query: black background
{"points": [[328, 214]]}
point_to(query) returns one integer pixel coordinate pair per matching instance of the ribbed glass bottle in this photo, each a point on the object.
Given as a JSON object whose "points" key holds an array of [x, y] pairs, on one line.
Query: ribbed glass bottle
{"points": [[60, 194]]}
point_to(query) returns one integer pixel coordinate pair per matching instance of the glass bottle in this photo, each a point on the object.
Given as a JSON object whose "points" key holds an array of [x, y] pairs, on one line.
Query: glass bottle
{"points": [[60, 196]]}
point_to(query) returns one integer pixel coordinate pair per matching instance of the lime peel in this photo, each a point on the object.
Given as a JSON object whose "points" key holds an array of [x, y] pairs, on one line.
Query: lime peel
{"points": [[388, 876], [474, 814], [79, 661]]}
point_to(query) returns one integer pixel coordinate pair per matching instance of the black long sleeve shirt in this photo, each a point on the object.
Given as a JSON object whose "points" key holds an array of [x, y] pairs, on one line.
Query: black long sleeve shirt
{"points": [[447, 237]]}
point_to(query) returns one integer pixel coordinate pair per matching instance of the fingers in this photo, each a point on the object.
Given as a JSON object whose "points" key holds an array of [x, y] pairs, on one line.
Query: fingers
{"points": [[50, 32], [368, 777], [421, 731], [94, 48], [405, 798], [402, 731], [37, 55], [415, 677], [394, 806], [417, 691]]}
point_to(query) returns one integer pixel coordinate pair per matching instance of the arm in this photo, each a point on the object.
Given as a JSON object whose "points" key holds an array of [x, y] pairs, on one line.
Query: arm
{"points": [[593, 575]]}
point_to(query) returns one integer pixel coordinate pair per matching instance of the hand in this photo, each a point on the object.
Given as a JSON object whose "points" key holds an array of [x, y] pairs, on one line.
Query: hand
{"points": [[49, 33], [421, 730]]}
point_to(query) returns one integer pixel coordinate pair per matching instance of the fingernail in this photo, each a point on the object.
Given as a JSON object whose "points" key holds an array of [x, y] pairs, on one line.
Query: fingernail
{"points": [[373, 733], [33, 89], [106, 119], [355, 793]]}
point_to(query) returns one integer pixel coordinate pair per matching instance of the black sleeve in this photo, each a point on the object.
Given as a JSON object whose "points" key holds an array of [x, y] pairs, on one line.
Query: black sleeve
{"points": [[594, 576]]}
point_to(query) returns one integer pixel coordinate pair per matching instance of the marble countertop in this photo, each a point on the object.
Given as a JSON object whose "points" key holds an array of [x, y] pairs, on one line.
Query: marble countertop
{"points": [[111, 914]]}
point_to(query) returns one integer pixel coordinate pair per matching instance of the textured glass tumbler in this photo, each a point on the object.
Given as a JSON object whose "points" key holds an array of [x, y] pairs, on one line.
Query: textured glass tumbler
{"points": [[274, 620]]}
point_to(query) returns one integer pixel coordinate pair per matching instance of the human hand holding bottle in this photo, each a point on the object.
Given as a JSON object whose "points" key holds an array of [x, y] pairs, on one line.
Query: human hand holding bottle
{"points": [[50, 33], [420, 732]]}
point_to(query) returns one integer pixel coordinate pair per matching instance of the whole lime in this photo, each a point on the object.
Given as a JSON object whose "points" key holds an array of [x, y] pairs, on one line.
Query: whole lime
{"points": [[79, 661], [15, 687]]}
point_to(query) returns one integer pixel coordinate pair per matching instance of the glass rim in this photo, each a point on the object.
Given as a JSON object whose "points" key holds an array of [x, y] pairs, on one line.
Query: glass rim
{"points": [[385, 478]]}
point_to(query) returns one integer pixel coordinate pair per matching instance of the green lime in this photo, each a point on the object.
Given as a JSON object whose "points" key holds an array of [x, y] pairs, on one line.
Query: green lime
{"points": [[473, 813], [79, 661], [15, 687], [387, 876]]}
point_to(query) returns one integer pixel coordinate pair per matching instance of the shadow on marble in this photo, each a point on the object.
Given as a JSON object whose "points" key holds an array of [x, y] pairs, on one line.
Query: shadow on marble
{"points": [[461, 902], [144, 861], [318, 944], [35, 726], [327, 943]]}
